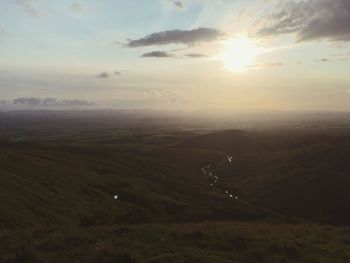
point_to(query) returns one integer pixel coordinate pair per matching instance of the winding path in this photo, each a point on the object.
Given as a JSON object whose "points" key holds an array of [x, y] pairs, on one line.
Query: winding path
{"points": [[215, 180]]}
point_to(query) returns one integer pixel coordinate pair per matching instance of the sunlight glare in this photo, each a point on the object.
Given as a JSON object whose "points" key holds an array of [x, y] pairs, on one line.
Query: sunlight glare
{"points": [[239, 53]]}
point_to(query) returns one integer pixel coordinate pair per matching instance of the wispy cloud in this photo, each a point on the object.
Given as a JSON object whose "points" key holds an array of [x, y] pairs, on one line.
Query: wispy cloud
{"points": [[265, 65], [29, 6], [165, 92], [77, 7], [311, 20], [187, 37], [3, 32], [117, 73], [341, 56]]}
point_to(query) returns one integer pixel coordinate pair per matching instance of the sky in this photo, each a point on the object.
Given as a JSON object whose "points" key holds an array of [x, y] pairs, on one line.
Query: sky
{"points": [[175, 54]]}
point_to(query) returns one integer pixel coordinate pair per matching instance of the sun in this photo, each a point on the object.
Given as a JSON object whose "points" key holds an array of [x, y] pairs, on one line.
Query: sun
{"points": [[239, 53]]}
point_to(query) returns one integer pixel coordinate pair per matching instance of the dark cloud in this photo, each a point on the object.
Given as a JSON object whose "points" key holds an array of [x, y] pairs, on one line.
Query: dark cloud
{"points": [[28, 6], [187, 37], [178, 4], [157, 54], [163, 54], [106, 75], [196, 55], [103, 75], [311, 20], [46, 102], [322, 60]]}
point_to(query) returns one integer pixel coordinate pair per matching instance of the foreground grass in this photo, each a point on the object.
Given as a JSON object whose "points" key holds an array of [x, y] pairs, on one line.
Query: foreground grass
{"points": [[194, 242]]}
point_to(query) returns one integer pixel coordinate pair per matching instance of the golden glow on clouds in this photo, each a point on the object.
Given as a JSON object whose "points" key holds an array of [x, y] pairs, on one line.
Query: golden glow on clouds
{"points": [[239, 53]]}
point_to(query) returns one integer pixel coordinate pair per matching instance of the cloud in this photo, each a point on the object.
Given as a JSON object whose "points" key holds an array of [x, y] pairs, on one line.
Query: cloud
{"points": [[171, 91], [187, 37], [196, 55], [103, 75], [47, 102], [265, 65], [29, 7], [178, 4], [106, 75], [344, 59], [2, 32], [273, 65], [311, 20], [165, 92], [168, 95], [76, 7], [75, 102], [157, 54], [341, 56], [117, 73], [27, 101], [156, 93], [164, 54], [324, 60]]}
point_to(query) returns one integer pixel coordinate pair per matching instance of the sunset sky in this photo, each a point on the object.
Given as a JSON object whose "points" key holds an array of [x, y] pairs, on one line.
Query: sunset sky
{"points": [[178, 55]]}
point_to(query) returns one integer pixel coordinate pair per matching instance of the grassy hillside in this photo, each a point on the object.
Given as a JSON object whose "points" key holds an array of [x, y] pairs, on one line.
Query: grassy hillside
{"points": [[59, 185], [140, 195]]}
